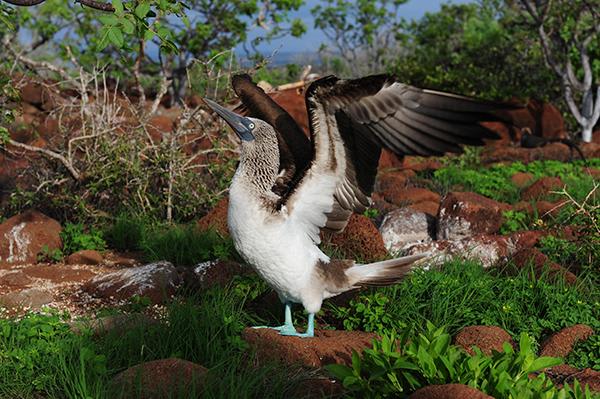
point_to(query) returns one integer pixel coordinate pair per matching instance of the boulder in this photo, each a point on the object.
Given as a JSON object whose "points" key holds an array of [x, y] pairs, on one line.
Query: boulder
{"points": [[541, 264], [465, 214], [25, 235], [552, 124], [405, 226], [15, 279], [85, 257], [431, 208], [327, 347], [449, 391], [560, 344], [212, 273], [486, 338], [522, 179], [542, 188], [402, 196], [158, 379], [216, 218], [33, 298], [157, 281], [359, 240], [488, 249]]}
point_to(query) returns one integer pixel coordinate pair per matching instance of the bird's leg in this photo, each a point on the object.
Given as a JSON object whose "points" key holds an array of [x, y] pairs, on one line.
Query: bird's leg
{"points": [[288, 327], [310, 330]]}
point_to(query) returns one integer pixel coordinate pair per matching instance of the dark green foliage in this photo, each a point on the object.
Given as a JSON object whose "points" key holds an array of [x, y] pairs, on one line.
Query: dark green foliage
{"points": [[48, 255], [76, 237], [461, 294], [458, 49], [127, 233], [185, 245], [515, 221], [586, 354], [393, 369]]}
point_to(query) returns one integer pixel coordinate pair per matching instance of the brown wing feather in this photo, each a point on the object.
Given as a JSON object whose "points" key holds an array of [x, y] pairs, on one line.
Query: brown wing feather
{"points": [[378, 111]]}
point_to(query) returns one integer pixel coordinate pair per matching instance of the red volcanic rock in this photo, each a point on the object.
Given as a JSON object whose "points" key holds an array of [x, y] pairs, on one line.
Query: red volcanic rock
{"points": [[32, 93], [505, 133], [327, 347], [25, 235], [565, 374], [216, 218], [85, 257], [213, 273], [541, 263], [561, 343], [552, 124], [409, 195], [33, 298], [429, 207], [391, 180], [465, 214], [526, 239], [419, 164], [159, 125], [158, 379], [449, 391], [292, 100], [15, 279], [389, 160], [547, 208], [359, 240], [486, 338], [522, 179], [542, 187]]}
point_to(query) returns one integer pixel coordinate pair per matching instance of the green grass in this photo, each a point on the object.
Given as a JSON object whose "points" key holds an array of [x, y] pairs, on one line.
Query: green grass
{"points": [[495, 182], [41, 357], [463, 293], [183, 245]]}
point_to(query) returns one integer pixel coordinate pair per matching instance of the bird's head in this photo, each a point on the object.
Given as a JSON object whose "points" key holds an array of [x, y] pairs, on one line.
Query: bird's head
{"points": [[249, 130]]}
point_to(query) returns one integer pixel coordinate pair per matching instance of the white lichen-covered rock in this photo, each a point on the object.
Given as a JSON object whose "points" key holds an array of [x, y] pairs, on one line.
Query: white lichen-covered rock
{"points": [[488, 249], [157, 281], [24, 236], [404, 227], [464, 215]]}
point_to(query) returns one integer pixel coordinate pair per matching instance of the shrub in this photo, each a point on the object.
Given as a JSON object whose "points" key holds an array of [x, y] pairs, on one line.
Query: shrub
{"points": [[397, 367], [76, 237]]}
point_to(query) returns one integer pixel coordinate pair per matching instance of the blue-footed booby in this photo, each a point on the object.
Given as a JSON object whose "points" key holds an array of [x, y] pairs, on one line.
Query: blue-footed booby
{"points": [[288, 188]]}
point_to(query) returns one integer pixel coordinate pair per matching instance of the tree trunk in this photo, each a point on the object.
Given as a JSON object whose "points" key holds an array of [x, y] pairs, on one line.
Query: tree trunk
{"points": [[586, 133]]}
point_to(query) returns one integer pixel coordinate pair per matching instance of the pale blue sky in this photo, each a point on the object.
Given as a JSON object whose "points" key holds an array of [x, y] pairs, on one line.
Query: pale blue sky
{"points": [[413, 9]]}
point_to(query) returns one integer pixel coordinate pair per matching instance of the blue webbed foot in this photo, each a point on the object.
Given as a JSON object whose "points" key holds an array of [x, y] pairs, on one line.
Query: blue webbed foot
{"points": [[310, 331]]}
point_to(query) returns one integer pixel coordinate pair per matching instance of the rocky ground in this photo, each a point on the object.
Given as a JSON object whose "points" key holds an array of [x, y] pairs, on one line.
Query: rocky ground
{"points": [[410, 219]]}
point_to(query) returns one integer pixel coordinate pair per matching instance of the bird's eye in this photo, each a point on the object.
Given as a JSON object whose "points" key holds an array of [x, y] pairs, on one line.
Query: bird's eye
{"points": [[251, 126]]}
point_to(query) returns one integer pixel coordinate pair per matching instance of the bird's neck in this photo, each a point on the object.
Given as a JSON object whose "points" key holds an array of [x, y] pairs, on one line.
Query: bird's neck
{"points": [[258, 170]]}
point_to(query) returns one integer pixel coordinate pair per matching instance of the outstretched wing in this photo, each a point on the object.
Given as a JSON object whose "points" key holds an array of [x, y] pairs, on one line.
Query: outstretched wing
{"points": [[351, 120]]}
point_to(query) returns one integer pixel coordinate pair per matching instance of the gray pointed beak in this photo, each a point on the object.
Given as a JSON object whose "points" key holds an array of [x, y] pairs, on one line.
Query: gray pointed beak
{"points": [[242, 126]]}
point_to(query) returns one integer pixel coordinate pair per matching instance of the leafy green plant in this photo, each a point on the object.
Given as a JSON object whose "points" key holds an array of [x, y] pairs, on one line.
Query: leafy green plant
{"points": [[48, 255], [77, 237], [514, 221], [586, 354], [397, 366], [127, 233]]}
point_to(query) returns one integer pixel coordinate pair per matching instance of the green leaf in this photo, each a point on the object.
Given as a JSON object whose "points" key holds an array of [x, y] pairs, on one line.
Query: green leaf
{"points": [[148, 35], [118, 5], [542, 363], [116, 36], [110, 19], [339, 371], [128, 26], [142, 10]]}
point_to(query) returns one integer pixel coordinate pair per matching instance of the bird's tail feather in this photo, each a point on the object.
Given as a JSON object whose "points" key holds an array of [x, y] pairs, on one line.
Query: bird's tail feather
{"points": [[382, 273]]}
